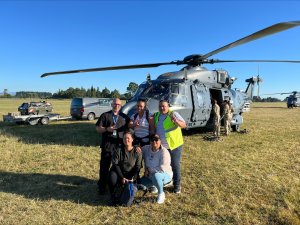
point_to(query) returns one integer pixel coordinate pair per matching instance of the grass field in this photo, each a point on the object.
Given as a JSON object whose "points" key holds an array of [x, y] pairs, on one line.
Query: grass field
{"points": [[48, 174]]}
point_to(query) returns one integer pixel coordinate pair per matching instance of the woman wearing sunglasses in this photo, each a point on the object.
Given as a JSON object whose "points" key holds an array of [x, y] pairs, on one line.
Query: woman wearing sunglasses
{"points": [[158, 170]]}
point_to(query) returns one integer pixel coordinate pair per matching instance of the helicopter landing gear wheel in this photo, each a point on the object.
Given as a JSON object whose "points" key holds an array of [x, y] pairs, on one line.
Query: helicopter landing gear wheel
{"points": [[236, 128], [44, 121]]}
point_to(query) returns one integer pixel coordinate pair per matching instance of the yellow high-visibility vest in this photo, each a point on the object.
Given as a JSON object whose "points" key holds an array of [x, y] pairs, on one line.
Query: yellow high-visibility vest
{"points": [[172, 131]]}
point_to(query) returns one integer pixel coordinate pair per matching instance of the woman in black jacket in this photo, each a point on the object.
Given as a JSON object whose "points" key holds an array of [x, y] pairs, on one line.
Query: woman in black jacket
{"points": [[126, 163]]}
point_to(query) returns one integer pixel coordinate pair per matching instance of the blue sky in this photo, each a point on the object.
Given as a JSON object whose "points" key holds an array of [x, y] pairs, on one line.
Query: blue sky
{"points": [[47, 36]]}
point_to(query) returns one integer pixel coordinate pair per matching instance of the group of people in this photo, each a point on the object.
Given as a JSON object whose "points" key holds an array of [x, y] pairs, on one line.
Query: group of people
{"points": [[227, 116], [154, 140]]}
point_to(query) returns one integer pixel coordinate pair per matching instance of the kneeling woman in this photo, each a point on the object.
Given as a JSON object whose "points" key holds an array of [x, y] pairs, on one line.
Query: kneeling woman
{"points": [[126, 162], [158, 170]]}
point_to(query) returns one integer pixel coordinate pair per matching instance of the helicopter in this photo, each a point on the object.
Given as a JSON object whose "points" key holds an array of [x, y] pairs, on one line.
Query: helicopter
{"points": [[293, 100], [191, 90]]}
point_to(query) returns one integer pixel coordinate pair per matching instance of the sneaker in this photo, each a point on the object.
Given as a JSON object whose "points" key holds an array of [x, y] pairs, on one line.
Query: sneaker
{"points": [[141, 187], [168, 184], [153, 190], [161, 198], [177, 190]]}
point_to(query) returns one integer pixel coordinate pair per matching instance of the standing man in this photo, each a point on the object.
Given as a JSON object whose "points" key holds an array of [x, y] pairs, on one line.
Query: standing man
{"points": [[227, 117], [111, 125], [142, 123], [216, 118], [168, 126]]}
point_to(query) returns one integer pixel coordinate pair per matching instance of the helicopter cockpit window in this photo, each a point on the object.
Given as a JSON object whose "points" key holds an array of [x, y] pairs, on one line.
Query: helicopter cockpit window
{"points": [[175, 89], [158, 91], [177, 96], [140, 90]]}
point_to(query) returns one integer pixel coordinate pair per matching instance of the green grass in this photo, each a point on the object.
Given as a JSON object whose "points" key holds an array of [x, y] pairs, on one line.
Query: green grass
{"points": [[48, 174]]}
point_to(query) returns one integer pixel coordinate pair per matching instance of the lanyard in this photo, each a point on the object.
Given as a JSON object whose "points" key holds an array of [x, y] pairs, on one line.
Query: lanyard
{"points": [[115, 118]]}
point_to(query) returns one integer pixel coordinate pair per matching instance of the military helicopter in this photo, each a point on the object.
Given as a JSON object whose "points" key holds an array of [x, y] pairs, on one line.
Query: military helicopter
{"points": [[190, 90], [293, 100]]}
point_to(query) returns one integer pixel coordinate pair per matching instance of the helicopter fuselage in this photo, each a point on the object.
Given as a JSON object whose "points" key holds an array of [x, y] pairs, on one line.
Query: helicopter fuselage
{"points": [[190, 92], [293, 100]]}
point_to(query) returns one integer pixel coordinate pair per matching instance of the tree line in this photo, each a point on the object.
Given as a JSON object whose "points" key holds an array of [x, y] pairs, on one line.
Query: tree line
{"points": [[96, 93], [76, 92], [268, 99]]}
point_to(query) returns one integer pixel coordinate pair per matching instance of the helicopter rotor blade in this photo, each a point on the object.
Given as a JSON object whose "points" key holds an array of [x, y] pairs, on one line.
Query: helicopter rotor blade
{"points": [[259, 34], [195, 60], [212, 61], [112, 68], [279, 93]]}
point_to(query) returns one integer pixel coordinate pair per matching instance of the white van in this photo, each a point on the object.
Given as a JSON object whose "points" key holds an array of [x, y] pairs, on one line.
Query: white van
{"points": [[89, 108]]}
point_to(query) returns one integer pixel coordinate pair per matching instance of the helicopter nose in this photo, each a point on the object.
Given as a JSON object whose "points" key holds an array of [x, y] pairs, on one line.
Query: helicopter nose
{"points": [[129, 108]]}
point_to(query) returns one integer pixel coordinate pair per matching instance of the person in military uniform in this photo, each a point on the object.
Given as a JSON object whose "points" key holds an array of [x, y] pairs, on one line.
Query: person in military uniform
{"points": [[111, 125], [227, 117], [216, 118]]}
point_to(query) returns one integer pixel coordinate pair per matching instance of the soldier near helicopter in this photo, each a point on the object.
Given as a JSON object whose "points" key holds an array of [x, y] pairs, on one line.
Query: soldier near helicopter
{"points": [[216, 118], [230, 111], [227, 115]]}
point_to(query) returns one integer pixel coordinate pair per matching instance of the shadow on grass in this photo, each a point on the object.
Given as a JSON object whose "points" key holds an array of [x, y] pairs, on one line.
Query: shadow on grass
{"points": [[269, 107], [77, 134], [47, 186], [195, 131]]}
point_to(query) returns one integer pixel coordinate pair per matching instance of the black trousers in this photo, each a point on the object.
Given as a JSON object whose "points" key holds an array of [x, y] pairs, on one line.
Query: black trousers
{"points": [[105, 163], [114, 180]]}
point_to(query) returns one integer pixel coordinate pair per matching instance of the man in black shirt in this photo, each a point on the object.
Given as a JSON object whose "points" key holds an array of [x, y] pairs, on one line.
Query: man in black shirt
{"points": [[111, 125]]}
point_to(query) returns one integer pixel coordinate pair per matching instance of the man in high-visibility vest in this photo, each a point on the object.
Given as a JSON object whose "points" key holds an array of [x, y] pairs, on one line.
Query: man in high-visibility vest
{"points": [[168, 126]]}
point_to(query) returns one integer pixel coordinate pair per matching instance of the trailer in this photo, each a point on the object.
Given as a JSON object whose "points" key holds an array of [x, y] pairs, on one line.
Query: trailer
{"points": [[43, 119]]}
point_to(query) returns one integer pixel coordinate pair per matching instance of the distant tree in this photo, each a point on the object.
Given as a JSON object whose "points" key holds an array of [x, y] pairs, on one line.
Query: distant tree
{"points": [[33, 94], [270, 99], [5, 94], [105, 93], [132, 87], [93, 92], [98, 93], [256, 99], [115, 94], [126, 96]]}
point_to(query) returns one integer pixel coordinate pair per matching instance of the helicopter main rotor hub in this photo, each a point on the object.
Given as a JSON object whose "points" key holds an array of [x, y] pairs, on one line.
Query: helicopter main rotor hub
{"points": [[193, 60]]}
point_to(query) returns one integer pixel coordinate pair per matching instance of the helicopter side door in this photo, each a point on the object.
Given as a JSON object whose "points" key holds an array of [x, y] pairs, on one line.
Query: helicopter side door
{"points": [[201, 105]]}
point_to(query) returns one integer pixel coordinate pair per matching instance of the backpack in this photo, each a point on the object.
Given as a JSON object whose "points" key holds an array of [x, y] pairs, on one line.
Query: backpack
{"points": [[139, 140], [147, 115], [125, 194]]}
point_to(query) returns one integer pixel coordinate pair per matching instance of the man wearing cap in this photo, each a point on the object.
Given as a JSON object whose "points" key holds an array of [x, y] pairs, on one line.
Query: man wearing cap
{"points": [[168, 126]]}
